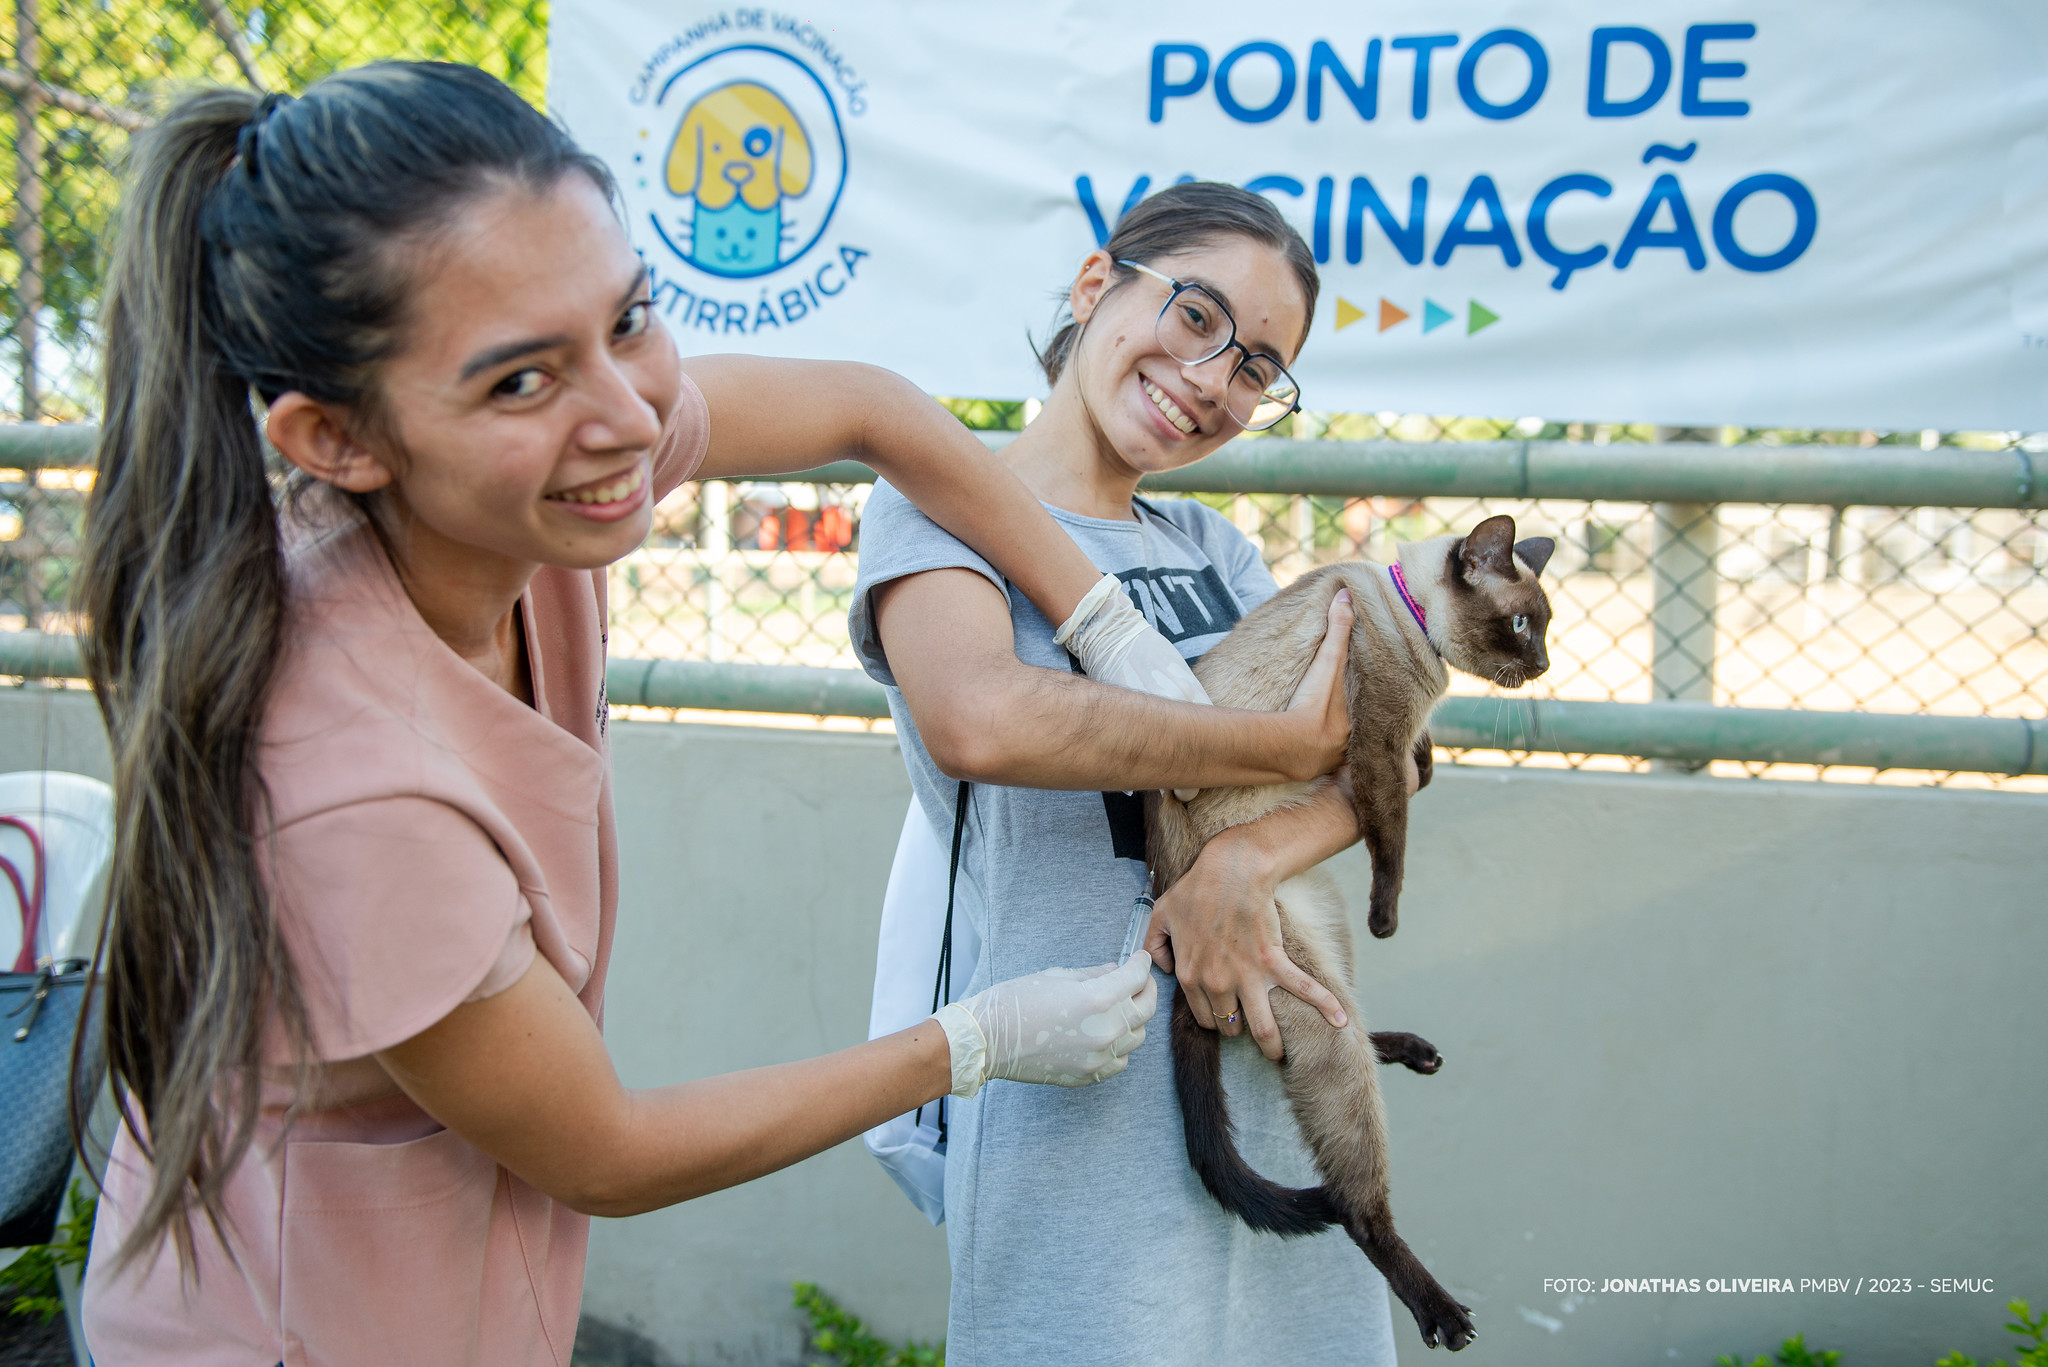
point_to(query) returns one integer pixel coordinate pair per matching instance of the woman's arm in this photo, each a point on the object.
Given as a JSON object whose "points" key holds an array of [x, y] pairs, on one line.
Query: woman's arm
{"points": [[524, 1076], [986, 716], [773, 416]]}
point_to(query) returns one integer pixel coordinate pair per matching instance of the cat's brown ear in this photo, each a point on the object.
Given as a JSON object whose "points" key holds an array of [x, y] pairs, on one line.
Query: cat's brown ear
{"points": [[1489, 548], [1535, 552]]}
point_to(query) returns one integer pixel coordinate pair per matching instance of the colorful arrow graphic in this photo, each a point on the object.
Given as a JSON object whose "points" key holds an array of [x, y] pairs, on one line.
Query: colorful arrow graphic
{"points": [[1478, 316]]}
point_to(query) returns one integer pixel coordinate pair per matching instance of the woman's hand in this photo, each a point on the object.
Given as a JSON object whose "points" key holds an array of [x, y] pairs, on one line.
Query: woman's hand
{"points": [[1218, 930], [1064, 1026], [1116, 645]]}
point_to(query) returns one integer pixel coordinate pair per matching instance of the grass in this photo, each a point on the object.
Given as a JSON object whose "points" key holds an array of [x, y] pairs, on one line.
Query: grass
{"points": [[848, 1343]]}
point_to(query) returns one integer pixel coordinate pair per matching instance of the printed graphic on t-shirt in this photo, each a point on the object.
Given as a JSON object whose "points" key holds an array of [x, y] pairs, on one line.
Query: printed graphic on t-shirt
{"points": [[1126, 813], [1180, 603]]}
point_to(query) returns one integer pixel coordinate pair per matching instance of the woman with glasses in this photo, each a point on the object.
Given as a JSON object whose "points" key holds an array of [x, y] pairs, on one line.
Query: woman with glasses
{"points": [[1078, 1232]]}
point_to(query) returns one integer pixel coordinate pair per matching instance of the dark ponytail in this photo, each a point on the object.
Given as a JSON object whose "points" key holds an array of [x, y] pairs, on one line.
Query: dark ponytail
{"points": [[261, 247], [1187, 218]]}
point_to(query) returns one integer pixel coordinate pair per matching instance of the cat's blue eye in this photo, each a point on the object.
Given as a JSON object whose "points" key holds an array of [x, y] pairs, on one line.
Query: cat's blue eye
{"points": [[1521, 624]]}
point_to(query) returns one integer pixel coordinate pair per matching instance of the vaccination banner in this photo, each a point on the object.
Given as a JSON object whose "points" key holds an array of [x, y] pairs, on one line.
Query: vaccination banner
{"points": [[1825, 214]]}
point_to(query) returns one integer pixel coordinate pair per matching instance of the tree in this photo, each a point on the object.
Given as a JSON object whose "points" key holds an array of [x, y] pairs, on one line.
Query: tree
{"points": [[77, 77]]}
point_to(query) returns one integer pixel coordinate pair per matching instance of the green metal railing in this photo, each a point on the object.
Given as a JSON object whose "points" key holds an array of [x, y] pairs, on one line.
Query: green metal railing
{"points": [[1673, 472], [1683, 732], [1670, 730], [32, 446]]}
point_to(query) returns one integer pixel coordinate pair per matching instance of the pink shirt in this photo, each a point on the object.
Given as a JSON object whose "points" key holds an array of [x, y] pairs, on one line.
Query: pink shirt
{"points": [[432, 833]]}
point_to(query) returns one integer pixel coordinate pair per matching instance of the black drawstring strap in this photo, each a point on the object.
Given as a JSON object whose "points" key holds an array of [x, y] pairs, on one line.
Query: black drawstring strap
{"points": [[942, 983]]}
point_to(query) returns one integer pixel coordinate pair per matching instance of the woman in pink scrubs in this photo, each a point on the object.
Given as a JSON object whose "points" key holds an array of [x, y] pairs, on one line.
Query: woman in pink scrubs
{"points": [[366, 870]]}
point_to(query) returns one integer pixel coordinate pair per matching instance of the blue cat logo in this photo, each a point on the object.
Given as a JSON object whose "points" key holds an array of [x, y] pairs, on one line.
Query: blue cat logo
{"points": [[736, 240]]}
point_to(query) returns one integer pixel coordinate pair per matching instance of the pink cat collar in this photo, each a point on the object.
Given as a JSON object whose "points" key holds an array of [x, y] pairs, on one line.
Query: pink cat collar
{"points": [[1401, 587]]}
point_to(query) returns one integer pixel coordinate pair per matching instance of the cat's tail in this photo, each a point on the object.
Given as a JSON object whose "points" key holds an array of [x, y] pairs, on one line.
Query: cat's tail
{"points": [[1212, 1141]]}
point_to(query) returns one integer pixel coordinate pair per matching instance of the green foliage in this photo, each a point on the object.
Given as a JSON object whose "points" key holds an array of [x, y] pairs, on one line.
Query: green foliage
{"points": [[132, 55], [1792, 1353], [988, 415], [32, 1277], [847, 1340], [2032, 1330]]}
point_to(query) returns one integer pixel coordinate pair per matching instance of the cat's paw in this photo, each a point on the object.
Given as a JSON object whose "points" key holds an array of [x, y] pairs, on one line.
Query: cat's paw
{"points": [[1444, 1321], [1385, 915], [1412, 1052]]}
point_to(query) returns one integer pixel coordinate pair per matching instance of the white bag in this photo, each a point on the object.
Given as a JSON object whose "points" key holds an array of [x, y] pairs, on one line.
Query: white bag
{"points": [[907, 964]]}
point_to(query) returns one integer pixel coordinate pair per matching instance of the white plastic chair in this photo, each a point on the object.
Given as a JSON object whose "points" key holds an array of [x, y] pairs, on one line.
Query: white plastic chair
{"points": [[73, 817]]}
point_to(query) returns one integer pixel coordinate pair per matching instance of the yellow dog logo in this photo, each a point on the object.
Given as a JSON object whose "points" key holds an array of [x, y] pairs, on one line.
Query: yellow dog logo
{"points": [[739, 152]]}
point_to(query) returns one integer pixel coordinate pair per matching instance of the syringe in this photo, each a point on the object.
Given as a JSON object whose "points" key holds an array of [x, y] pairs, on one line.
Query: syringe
{"points": [[1141, 918]]}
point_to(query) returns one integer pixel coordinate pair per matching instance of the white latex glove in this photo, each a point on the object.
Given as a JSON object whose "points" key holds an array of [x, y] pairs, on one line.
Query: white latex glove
{"points": [[1116, 645], [1065, 1026]]}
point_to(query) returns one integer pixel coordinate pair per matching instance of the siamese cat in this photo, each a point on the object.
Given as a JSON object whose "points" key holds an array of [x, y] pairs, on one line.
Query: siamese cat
{"points": [[1470, 601]]}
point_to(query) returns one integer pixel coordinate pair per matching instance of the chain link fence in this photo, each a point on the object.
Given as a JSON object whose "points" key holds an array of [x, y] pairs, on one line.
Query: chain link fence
{"points": [[1928, 610], [1910, 610]]}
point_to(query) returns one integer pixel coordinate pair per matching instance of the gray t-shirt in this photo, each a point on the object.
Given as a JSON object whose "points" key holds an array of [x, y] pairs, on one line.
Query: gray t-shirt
{"points": [[1078, 1233]]}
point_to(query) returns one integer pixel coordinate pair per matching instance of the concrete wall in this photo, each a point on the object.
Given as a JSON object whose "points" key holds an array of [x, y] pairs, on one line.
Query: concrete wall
{"points": [[1695, 1028]]}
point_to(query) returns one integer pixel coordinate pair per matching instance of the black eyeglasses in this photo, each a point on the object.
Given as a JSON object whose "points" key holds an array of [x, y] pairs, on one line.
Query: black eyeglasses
{"points": [[1195, 327]]}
